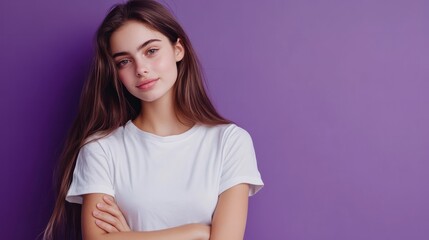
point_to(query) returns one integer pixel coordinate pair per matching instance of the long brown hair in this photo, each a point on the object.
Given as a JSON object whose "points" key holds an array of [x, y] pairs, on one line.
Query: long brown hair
{"points": [[105, 104]]}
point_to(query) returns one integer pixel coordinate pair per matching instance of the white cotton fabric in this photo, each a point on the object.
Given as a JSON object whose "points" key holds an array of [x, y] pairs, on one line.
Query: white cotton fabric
{"points": [[163, 182]]}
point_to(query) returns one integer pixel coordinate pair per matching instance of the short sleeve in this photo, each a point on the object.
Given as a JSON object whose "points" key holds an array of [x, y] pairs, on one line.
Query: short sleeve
{"points": [[239, 161], [91, 174]]}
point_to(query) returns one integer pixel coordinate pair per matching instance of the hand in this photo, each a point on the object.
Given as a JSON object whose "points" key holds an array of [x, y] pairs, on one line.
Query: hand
{"points": [[109, 216]]}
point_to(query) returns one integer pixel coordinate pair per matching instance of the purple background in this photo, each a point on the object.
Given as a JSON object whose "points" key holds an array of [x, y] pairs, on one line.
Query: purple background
{"points": [[334, 93]]}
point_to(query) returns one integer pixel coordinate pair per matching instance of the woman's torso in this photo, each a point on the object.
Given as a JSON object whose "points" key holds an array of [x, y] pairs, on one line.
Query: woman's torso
{"points": [[162, 182]]}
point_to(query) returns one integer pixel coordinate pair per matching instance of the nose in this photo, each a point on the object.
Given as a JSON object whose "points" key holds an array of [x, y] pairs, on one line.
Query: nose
{"points": [[141, 67]]}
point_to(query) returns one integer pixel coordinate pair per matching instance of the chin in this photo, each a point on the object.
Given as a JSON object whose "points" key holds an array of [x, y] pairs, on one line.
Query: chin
{"points": [[153, 96], [149, 99]]}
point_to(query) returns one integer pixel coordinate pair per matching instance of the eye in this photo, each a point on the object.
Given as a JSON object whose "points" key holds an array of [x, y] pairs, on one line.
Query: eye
{"points": [[151, 51], [122, 63]]}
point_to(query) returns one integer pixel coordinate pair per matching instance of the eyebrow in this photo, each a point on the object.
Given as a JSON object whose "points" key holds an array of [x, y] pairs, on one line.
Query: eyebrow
{"points": [[140, 47]]}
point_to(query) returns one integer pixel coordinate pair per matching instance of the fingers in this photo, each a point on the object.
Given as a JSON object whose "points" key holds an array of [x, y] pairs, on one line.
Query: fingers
{"points": [[114, 207], [109, 207], [105, 226], [107, 218], [117, 211], [111, 213]]}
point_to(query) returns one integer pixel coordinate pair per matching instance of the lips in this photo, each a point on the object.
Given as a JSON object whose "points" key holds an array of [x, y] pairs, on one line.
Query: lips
{"points": [[146, 84]]}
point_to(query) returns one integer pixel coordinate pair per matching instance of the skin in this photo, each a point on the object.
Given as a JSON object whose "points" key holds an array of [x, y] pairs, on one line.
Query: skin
{"points": [[145, 55], [156, 60]]}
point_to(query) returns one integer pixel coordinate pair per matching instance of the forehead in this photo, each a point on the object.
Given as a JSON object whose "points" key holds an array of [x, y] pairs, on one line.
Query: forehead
{"points": [[131, 35]]}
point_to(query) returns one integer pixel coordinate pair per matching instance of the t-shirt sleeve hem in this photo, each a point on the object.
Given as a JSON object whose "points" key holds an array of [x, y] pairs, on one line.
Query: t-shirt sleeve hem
{"points": [[75, 195], [255, 184]]}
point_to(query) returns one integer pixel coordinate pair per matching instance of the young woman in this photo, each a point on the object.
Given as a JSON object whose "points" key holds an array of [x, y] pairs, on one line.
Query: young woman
{"points": [[148, 156]]}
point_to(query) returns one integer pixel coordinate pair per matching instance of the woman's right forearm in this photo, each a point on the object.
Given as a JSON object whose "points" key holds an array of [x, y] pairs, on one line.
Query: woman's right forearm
{"points": [[185, 232]]}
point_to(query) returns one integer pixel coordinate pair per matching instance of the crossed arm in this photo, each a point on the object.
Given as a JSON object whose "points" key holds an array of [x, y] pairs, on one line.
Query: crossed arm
{"points": [[229, 220]]}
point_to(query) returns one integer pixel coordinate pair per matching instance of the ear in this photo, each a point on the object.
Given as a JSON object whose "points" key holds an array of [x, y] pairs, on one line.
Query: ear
{"points": [[179, 50]]}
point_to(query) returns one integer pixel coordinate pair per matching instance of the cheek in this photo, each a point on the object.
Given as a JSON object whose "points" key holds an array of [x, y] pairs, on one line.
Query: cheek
{"points": [[166, 66], [125, 76]]}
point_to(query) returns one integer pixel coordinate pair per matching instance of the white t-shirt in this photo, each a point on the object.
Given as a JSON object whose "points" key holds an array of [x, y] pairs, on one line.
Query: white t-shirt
{"points": [[163, 182]]}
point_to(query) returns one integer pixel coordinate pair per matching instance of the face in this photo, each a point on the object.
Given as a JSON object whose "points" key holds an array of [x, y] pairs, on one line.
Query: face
{"points": [[145, 60]]}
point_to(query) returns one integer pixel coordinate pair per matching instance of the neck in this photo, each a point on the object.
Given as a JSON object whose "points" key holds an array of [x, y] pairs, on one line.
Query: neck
{"points": [[160, 118]]}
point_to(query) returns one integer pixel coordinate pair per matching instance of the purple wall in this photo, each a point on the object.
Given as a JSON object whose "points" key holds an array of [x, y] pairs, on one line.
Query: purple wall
{"points": [[334, 93]]}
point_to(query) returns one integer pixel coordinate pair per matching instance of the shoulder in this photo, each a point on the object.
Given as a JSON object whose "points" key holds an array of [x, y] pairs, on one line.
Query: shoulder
{"points": [[103, 140], [235, 131], [228, 133]]}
